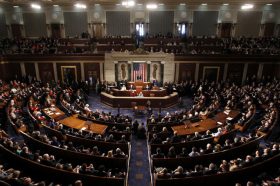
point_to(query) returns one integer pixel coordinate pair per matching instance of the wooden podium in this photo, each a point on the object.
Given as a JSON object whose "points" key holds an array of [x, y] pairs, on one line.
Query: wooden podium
{"points": [[139, 89], [139, 83]]}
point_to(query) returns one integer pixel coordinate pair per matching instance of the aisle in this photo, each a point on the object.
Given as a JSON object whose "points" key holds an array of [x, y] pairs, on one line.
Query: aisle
{"points": [[139, 168]]}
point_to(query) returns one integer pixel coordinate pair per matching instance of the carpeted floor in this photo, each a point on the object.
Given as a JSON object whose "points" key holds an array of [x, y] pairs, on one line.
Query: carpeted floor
{"points": [[139, 167]]}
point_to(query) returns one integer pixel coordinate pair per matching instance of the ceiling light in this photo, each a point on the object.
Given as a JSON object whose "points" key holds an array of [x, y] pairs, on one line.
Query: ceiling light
{"points": [[204, 4], [16, 6], [36, 6], [128, 3], [269, 4], [225, 4], [247, 6], [79, 5], [160, 4], [55, 5], [97, 4], [151, 6], [183, 4]]}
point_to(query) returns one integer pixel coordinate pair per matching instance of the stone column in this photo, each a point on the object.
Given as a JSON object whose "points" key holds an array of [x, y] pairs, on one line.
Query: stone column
{"points": [[82, 71], [55, 71], [101, 70], [260, 70], [177, 66], [37, 71], [49, 30], [225, 72], [196, 72], [22, 69], [245, 69]]}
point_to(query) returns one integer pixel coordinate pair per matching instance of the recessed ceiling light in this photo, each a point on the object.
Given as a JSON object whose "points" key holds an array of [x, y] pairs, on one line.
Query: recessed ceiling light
{"points": [[128, 3], [269, 4], [36, 6], [79, 5], [225, 4], [183, 4], [151, 6], [247, 6], [55, 5], [16, 6], [204, 4]]}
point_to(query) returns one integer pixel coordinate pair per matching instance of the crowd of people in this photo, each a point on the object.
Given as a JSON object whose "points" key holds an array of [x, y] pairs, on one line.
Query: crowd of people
{"points": [[224, 166], [194, 46], [173, 152], [50, 160], [14, 177], [232, 46], [68, 145]]}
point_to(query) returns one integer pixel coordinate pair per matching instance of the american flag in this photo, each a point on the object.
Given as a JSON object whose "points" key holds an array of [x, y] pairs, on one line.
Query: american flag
{"points": [[139, 72]]}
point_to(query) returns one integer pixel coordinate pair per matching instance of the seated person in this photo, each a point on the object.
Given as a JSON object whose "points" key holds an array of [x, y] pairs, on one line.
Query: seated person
{"points": [[163, 174], [123, 87], [140, 94], [132, 87], [147, 87]]}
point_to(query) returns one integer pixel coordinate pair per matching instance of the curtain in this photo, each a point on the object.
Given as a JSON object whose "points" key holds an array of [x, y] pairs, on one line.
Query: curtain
{"points": [[205, 23], [161, 22], [248, 23], [118, 23], [3, 28], [35, 24], [75, 23]]}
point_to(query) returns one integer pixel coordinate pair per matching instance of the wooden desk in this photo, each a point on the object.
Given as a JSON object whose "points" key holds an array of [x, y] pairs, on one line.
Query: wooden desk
{"points": [[146, 93], [204, 125], [76, 123], [223, 116], [125, 101], [54, 113], [139, 83], [191, 128]]}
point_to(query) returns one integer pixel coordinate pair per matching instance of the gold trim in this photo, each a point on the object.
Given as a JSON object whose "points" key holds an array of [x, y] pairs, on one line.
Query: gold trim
{"points": [[65, 67], [211, 67]]}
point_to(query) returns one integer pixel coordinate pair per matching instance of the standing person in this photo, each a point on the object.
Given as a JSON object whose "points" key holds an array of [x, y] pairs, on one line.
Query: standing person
{"points": [[97, 85], [141, 134], [135, 126]]}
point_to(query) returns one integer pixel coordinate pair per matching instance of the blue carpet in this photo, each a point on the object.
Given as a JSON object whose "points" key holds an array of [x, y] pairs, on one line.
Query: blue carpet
{"points": [[139, 167]]}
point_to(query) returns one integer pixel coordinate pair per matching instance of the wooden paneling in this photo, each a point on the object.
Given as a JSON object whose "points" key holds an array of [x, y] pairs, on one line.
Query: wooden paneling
{"points": [[235, 72], [252, 69], [30, 69], [46, 71], [269, 29], [186, 71], [77, 65], [205, 65], [226, 29], [10, 71], [93, 70], [272, 70], [16, 30]]}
